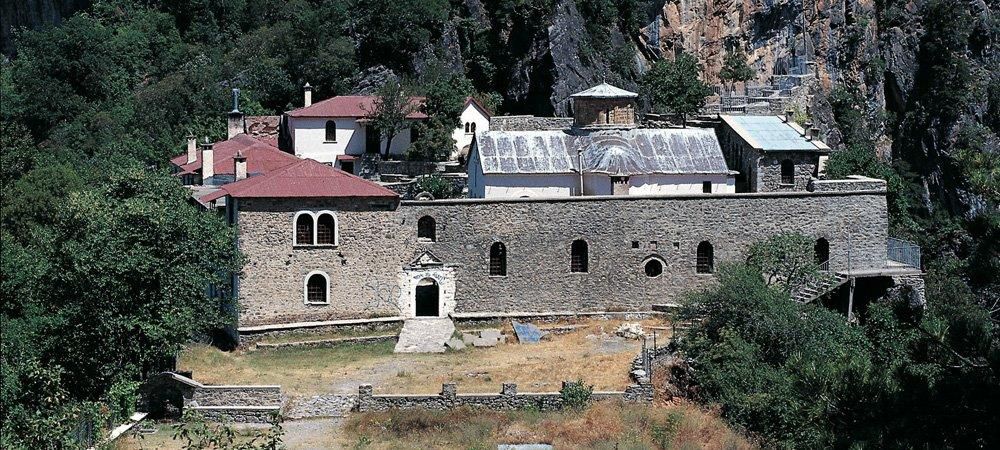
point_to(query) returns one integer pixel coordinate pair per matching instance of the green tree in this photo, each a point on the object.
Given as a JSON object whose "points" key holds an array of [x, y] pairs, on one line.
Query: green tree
{"points": [[674, 86], [445, 96], [735, 68], [389, 112], [785, 259]]}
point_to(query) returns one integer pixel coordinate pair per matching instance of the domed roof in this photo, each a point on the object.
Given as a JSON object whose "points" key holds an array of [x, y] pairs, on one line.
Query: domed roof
{"points": [[605, 90]]}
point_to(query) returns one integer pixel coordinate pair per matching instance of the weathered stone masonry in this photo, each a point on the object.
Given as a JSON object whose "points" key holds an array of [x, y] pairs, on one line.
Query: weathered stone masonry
{"points": [[366, 269]]}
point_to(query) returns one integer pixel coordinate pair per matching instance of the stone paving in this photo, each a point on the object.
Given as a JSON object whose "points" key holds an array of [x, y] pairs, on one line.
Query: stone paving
{"points": [[425, 335]]}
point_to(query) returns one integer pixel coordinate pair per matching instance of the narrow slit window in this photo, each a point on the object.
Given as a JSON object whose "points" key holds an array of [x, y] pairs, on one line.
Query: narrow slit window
{"points": [[498, 260], [578, 256]]}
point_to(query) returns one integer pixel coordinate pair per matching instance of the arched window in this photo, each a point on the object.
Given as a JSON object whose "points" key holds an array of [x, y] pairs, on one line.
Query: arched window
{"points": [[326, 229], [331, 131], [653, 267], [317, 288], [467, 127], [498, 260], [472, 127], [822, 252], [787, 172], [304, 229], [706, 258], [578, 256], [426, 229]]}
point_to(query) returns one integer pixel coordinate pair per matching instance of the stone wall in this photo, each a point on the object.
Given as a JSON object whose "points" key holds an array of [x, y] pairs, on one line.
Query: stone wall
{"points": [[367, 273], [852, 183], [329, 405], [603, 112], [507, 399], [235, 395], [529, 123]]}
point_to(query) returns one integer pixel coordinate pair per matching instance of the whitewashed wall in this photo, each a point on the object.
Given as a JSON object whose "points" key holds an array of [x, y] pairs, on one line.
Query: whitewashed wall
{"points": [[309, 139], [471, 114], [679, 184]]}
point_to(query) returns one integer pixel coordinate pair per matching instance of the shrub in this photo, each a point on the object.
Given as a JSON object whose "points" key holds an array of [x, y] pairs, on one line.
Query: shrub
{"points": [[576, 395], [437, 185]]}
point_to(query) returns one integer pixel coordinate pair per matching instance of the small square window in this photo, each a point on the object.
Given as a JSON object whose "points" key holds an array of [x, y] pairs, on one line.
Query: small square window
{"points": [[635, 244], [677, 245], [706, 187]]}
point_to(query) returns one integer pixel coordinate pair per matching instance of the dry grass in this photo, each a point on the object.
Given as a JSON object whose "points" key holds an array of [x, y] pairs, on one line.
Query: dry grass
{"points": [[603, 425], [581, 354]]}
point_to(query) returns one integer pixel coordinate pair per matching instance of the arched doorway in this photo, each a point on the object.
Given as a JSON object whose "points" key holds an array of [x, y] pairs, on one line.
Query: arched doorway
{"points": [[426, 295]]}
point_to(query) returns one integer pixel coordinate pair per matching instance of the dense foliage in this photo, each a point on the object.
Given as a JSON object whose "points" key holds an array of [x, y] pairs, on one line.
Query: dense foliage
{"points": [[800, 376]]}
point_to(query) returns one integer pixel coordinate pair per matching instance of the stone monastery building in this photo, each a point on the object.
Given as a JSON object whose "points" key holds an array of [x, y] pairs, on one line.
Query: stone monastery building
{"points": [[659, 210]]}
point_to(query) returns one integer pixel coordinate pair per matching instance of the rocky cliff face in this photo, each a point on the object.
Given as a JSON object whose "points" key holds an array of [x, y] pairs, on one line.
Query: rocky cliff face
{"points": [[33, 14]]}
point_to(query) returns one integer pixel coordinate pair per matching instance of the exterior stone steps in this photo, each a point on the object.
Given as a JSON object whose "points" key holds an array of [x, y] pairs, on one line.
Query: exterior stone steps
{"points": [[813, 291], [425, 335]]}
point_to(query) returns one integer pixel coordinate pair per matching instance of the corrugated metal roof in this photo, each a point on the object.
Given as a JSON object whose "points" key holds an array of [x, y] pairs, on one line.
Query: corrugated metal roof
{"points": [[770, 133], [604, 90], [615, 152]]}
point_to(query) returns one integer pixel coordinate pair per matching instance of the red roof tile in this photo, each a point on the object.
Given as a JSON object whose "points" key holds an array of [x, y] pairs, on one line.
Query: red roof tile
{"points": [[261, 157], [349, 106], [481, 106], [306, 178]]}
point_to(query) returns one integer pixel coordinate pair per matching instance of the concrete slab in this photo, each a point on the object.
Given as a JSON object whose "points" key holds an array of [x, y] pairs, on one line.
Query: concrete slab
{"points": [[425, 335], [455, 344]]}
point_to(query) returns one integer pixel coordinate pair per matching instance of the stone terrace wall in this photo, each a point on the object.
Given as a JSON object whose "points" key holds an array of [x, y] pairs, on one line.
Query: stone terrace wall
{"points": [[851, 183], [530, 123], [507, 399], [235, 395], [366, 269]]}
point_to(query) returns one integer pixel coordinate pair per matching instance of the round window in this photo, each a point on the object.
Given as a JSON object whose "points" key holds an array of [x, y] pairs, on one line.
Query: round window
{"points": [[653, 268]]}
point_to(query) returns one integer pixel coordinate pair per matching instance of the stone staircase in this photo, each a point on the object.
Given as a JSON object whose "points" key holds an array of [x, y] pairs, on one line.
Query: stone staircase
{"points": [[817, 288], [425, 335], [240, 404]]}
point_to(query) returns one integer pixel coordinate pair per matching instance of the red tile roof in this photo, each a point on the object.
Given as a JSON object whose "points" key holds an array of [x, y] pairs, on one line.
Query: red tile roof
{"points": [[350, 106], [306, 178], [261, 157]]}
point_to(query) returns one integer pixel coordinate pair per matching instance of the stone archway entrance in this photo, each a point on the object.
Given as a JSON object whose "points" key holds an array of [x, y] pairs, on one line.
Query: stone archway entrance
{"points": [[427, 296]]}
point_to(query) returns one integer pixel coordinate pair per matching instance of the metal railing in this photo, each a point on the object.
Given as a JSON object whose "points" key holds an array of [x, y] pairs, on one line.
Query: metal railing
{"points": [[903, 252]]}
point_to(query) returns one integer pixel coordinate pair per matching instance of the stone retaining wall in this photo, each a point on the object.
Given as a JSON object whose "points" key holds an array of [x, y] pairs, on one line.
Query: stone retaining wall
{"points": [[327, 343], [263, 414], [330, 405], [851, 183], [235, 396], [507, 399], [529, 123]]}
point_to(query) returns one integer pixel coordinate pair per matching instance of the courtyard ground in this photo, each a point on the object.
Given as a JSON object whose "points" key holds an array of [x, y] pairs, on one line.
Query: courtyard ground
{"points": [[590, 352], [605, 425]]}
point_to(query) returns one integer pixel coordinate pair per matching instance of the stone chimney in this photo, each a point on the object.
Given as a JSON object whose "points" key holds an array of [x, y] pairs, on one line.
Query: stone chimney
{"points": [[814, 132], [788, 115], [805, 129], [207, 161], [307, 95], [236, 125], [192, 155], [240, 163]]}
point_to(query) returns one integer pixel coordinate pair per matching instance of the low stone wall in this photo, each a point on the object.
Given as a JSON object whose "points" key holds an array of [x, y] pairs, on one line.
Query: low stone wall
{"points": [[851, 183], [235, 396], [327, 343], [529, 123], [507, 399], [238, 414], [330, 405]]}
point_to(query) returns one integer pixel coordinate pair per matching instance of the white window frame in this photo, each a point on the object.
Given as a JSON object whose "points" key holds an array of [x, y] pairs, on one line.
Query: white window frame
{"points": [[646, 260], [315, 228], [305, 288]]}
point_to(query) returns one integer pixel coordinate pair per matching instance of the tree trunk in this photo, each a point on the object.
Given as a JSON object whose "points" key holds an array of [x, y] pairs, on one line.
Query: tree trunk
{"points": [[388, 143]]}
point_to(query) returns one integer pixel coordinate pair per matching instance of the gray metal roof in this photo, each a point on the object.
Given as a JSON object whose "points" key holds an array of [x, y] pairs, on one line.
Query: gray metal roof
{"points": [[605, 90], [615, 152], [771, 133]]}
